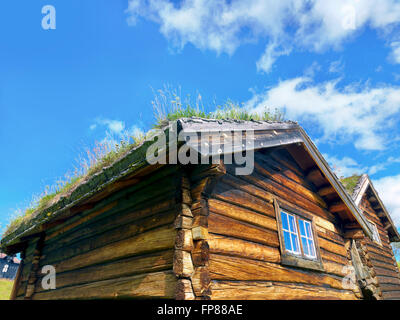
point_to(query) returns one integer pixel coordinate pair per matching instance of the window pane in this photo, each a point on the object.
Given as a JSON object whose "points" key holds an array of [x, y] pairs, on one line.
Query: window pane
{"points": [[295, 243], [286, 236], [312, 249], [308, 228], [292, 223], [301, 226], [305, 246], [284, 221]]}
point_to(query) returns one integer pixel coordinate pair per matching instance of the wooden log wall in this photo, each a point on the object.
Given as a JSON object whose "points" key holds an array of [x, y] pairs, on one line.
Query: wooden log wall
{"points": [[125, 246], [244, 260], [379, 259]]}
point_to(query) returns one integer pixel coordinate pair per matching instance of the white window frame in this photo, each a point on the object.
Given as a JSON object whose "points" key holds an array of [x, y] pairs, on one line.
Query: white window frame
{"points": [[299, 253], [5, 268], [375, 233], [308, 238]]}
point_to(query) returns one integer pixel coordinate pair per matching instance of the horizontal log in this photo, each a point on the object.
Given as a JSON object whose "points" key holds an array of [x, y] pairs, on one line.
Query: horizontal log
{"points": [[325, 191], [314, 174], [338, 207], [284, 168], [387, 287], [219, 224], [242, 248], [154, 240], [392, 295], [242, 214], [332, 247], [234, 268], [150, 285], [385, 272], [120, 268], [264, 290], [385, 265], [113, 235], [236, 191], [139, 193], [354, 234], [286, 193], [90, 228], [296, 187], [388, 280]]}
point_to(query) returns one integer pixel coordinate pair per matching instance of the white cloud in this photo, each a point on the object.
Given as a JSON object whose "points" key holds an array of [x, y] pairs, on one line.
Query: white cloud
{"points": [[313, 69], [352, 114], [223, 25], [344, 167], [115, 126], [395, 56], [336, 67], [389, 191], [116, 129]]}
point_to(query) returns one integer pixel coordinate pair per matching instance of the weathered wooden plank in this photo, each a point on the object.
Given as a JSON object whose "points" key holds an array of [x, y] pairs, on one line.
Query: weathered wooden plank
{"points": [[110, 219], [183, 265], [118, 234], [201, 280], [150, 285], [120, 268], [296, 187], [285, 193], [234, 268], [332, 247], [134, 195], [242, 248], [184, 290], [154, 240], [219, 224], [240, 193], [242, 214], [262, 290], [392, 295]]}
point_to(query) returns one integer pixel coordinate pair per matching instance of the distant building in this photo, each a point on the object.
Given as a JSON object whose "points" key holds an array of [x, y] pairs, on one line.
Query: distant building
{"points": [[8, 266]]}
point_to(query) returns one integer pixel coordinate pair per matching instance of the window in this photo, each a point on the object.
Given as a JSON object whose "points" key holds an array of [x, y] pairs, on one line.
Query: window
{"points": [[297, 237], [292, 225], [5, 268], [375, 233]]}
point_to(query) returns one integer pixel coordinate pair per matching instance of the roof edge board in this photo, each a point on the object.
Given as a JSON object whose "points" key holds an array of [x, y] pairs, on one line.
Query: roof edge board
{"points": [[344, 196]]}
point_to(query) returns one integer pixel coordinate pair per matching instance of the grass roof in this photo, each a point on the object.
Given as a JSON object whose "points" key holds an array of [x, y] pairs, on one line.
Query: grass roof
{"points": [[350, 183], [168, 106]]}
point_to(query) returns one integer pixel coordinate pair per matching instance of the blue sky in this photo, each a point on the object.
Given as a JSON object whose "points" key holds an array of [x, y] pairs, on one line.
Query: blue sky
{"points": [[335, 68]]}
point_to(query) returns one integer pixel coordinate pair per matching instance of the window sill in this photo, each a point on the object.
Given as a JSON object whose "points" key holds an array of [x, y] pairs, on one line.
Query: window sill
{"points": [[298, 262]]}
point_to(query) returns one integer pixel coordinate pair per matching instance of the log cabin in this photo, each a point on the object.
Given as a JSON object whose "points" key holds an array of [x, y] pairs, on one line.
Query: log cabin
{"points": [[288, 229], [378, 274]]}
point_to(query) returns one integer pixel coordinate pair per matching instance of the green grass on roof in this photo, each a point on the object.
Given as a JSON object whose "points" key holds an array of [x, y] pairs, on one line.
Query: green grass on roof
{"points": [[168, 106], [350, 183]]}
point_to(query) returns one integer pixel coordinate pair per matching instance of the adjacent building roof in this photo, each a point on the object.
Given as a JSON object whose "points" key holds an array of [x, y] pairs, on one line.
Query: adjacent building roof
{"points": [[360, 185], [266, 134]]}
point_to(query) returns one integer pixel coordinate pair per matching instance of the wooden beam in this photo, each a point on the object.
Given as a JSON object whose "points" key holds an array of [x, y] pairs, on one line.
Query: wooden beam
{"points": [[387, 225], [326, 191], [314, 174], [380, 213], [338, 207], [354, 234]]}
